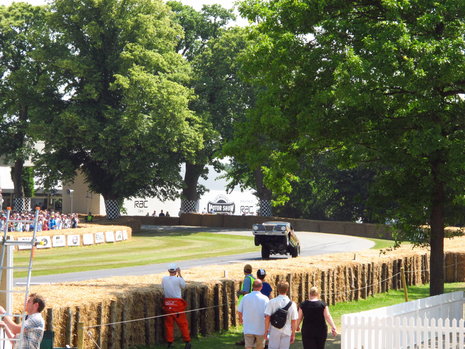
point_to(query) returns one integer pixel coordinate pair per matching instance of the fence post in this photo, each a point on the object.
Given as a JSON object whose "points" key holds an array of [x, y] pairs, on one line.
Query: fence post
{"points": [[80, 335], [404, 283], [69, 327]]}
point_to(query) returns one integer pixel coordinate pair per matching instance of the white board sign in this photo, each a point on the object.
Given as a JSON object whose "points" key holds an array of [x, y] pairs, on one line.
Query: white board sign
{"points": [[109, 236], [59, 241], [88, 239], [125, 234], [44, 242], [99, 238], [25, 246], [74, 240], [119, 235]]}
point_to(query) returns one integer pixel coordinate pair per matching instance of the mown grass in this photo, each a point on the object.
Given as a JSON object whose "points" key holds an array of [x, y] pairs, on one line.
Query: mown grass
{"points": [[142, 249], [228, 339]]}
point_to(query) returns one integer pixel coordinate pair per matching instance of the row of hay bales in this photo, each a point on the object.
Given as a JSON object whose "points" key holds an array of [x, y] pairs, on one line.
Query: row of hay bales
{"points": [[122, 312], [81, 231]]}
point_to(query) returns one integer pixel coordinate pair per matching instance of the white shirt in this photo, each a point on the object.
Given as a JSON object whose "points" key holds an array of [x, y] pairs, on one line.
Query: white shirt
{"points": [[172, 286], [252, 307], [280, 302]]}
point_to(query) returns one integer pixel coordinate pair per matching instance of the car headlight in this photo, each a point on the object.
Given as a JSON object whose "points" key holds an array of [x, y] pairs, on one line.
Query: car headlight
{"points": [[282, 227], [255, 227]]}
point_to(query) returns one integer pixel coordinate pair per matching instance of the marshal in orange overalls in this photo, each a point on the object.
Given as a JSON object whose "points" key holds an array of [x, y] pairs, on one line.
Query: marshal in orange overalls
{"points": [[174, 306]]}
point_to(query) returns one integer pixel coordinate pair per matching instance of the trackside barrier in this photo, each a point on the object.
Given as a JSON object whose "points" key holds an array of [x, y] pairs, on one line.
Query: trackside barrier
{"points": [[433, 322]]}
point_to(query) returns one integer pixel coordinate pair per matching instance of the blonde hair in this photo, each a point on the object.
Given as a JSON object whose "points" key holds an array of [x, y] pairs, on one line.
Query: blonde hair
{"points": [[314, 292]]}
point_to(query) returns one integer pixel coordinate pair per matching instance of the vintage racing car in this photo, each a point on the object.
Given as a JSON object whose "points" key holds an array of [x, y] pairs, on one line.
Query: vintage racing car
{"points": [[276, 238]]}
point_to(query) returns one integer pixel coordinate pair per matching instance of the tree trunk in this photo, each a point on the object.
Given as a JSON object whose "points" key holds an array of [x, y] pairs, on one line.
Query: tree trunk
{"points": [[17, 178], [20, 203], [190, 194], [264, 195], [437, 231]]}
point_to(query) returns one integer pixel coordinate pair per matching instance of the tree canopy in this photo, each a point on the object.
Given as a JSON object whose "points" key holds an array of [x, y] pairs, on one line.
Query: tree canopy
{"points": [[27, 90], [382, 84], [125, 122]]}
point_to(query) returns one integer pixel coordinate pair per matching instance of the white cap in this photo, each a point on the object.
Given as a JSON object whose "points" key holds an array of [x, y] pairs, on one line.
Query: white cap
{"points": [[172, 267]]}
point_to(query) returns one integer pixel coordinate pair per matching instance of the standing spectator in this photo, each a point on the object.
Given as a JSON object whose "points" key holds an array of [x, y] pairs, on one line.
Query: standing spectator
{"points": [[315, 314], [252, 316], [246, 288], [74, 220], [167, 214], [281, 338], [154, 214], [161, 214], [33, 325], [90, 218], [52, 224], [174, 304], [266, 289], [247, 283]]}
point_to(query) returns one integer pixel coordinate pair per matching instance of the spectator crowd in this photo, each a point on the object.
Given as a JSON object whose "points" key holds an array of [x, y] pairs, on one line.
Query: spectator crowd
{"points": [[47, 220]]}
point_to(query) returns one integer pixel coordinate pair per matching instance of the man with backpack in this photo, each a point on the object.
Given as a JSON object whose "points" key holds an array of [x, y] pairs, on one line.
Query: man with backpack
{"points": [[281, 319]]}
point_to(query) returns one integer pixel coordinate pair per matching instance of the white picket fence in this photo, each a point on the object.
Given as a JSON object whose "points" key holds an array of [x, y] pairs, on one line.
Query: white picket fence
{"points": [[433, 322]]}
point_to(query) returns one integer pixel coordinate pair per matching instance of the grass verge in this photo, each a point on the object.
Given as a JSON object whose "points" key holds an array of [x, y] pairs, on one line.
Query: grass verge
{"points": [[142, 249]]}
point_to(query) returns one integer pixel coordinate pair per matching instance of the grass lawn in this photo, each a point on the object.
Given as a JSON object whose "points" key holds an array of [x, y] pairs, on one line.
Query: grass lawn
{"points": [[228, 340], [142, 249]]}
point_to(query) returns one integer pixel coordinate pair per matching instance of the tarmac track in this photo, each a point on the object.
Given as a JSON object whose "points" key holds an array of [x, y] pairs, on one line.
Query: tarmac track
{"points": [[311, 244]]}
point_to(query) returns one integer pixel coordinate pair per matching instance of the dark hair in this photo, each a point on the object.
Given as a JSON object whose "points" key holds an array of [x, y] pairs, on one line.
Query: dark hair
{"points": [[39, 300], [247, 268]]}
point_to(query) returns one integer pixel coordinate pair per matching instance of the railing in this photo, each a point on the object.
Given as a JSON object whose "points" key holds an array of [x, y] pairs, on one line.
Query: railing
{"points": [[433, 322]]}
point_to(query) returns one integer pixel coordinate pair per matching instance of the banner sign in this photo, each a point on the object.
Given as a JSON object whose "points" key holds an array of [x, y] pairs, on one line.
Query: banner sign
{"points": [[119, 235], [88, 239], [44, 242], [59, 241], [109, 236], [221, 205], [99, 238], [24, 247], [74, 240]]}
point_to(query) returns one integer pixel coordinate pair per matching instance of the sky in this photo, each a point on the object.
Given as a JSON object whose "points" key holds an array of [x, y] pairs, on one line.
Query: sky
{"points": [[197, 4]]}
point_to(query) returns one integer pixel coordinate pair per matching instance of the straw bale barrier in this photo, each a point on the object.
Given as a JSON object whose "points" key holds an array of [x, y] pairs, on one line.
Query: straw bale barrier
{"points": [[81, 231], [121, 312]]}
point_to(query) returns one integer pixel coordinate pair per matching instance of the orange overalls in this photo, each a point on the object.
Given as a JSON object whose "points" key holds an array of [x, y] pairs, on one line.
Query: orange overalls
{"points": [[173, 306]]}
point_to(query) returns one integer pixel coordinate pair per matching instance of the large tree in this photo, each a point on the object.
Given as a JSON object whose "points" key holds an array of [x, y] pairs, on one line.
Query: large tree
{"points": [[202, 43], [27, 90], [126, 124], [381, 83]]}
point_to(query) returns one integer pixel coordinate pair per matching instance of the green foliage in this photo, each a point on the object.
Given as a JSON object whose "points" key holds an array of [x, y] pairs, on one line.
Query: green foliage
{"points": [[381, 84], [26, 88], [325, 191], [126, 123]]}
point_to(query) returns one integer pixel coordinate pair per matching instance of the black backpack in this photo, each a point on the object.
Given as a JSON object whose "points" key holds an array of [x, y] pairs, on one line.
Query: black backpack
{"points": [[279, 318]]}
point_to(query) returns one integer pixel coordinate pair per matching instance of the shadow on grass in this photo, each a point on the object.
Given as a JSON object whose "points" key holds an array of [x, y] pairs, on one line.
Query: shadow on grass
{"points": [[180, 231], [229, 339]]}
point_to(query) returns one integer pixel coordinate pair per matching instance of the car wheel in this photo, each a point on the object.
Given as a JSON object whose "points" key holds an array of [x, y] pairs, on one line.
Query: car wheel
{"points": [[265, 252]]}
